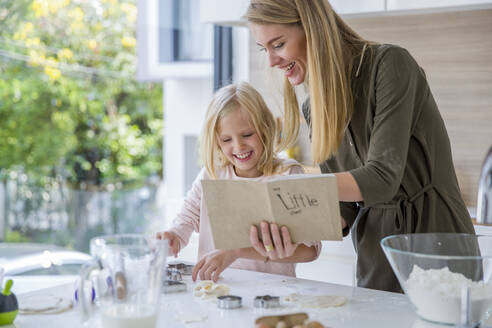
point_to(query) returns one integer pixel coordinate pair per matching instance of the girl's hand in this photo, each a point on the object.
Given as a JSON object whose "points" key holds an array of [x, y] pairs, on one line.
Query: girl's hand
{"points": [[174, 243], [281, 246], [212, 264]]}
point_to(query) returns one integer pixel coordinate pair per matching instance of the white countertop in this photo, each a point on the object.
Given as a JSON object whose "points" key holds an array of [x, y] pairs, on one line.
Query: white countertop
{"points": [[365, 308]]}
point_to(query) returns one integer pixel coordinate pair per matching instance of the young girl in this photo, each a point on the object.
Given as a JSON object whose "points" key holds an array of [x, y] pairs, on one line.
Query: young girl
{"points": [[238, 142]]}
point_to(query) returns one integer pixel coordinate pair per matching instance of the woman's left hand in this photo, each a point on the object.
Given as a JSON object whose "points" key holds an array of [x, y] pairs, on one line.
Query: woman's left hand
{"points": [[212, 264], [276, 243]]}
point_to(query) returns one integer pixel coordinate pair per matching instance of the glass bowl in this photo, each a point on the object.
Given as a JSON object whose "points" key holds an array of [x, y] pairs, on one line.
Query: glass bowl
{"points": [[434, 268]]}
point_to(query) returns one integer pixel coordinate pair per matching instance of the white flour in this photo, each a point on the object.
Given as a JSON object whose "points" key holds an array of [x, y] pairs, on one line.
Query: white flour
{"points": [[437, 295]]}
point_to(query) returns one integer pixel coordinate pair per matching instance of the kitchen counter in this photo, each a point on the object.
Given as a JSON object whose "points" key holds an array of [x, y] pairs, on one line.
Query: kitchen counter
{"points": [[365, 308], [336, 263]]}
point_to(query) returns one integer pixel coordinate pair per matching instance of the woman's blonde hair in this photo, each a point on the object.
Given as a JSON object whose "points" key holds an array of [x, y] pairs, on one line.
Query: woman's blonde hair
{"points": [[331, 47], [241, 96]]}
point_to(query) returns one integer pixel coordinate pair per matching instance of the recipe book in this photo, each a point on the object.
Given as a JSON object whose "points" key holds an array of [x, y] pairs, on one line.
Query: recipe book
{"points": [[306, 204]]}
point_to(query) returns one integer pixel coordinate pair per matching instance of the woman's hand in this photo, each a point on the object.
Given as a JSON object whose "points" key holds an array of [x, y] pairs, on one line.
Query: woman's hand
{"points": [[276, 243], [212, 264], [174, 243]]}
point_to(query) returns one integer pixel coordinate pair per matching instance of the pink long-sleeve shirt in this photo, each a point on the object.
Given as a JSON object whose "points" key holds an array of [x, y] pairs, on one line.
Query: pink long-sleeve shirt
{"points": [[193, 217]]}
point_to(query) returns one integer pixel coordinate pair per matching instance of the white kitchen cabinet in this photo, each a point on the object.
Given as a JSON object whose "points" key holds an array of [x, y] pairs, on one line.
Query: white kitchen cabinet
{"points": [[222, 12], [483, 230], [336, 264], [331, 269], [229, 12], [344, 7], [399, 5]]}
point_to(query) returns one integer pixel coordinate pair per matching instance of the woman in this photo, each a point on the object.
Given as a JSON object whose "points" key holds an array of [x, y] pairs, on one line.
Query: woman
{"points": [[374, 124]]}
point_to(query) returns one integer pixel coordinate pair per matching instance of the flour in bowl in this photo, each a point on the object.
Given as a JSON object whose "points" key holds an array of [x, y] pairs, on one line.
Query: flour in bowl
{"points": [[437, 294]]}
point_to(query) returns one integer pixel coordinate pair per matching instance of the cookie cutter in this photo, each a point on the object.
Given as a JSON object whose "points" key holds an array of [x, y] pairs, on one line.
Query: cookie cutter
{"points": [[173, 274], [266, 302], [184, 269], [229, 302]]}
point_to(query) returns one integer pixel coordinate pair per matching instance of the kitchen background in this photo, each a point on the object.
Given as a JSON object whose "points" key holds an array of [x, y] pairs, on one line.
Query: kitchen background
{"points": [[452, 42], [185, 47]]}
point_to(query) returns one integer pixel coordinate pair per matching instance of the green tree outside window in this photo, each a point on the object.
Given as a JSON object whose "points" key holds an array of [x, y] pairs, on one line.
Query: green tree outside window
{"points": [[70, 106]]}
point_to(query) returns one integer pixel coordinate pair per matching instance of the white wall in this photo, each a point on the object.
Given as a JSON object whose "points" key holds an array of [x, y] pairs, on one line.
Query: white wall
{"points": [[240, 53], [185, 103], [224, 12]]}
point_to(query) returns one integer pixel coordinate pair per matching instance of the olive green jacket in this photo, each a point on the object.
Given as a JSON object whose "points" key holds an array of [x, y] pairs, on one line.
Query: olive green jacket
{"points": [[397, 149]]}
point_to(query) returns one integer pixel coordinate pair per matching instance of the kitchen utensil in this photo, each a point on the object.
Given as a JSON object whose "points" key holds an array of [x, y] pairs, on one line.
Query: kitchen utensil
{"points": [[433, 268], [8, 304], [173, 274], [266, 302], [229, 302], [128, 270], [183, 268]]}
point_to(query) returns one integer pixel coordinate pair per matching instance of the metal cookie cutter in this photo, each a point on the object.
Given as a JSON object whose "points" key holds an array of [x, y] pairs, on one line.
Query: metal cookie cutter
{"points": [[229, 302], [266, 302], [184, 269], [173, 274]]}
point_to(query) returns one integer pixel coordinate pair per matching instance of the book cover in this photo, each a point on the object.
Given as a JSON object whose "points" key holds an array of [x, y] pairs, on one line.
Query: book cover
{"points": [[307, 204]]}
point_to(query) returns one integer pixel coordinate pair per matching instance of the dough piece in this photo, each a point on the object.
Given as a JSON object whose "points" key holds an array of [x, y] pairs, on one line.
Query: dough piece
{"points": [[43, 304], [316, 301], [208, 289], [202, 287]]}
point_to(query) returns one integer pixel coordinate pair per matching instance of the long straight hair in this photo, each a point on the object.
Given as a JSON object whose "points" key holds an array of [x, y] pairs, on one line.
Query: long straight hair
{"points": [[241, 96], [331, 47]]}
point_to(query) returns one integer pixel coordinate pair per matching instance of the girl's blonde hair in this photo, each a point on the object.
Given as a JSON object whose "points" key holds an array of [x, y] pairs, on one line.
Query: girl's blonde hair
{"points": [[241, 96], [331, 47]]}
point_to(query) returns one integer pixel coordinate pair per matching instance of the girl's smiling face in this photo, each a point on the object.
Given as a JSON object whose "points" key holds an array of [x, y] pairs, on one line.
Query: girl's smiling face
{"points": [[240, 143], [285, 46]]}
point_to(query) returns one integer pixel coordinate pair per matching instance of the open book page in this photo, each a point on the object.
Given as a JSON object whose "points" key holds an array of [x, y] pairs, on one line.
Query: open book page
{"points": [[233, 206], [307, 205]]}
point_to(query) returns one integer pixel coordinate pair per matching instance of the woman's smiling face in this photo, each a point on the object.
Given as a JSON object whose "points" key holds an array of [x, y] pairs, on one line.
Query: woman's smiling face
{"points": [[285, 46]]}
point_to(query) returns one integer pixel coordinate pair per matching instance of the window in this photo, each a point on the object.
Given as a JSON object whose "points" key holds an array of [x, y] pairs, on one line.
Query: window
{"points": [[181, 36], [171, 40]]}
